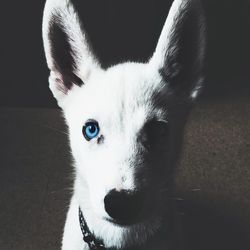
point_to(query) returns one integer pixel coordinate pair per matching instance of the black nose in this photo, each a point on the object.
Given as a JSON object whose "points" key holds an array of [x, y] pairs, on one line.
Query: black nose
{"points": [[123, 206]]}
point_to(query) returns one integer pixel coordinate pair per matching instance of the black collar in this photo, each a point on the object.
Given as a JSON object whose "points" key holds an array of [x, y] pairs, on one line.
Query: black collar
{"points": [[88, 237]]}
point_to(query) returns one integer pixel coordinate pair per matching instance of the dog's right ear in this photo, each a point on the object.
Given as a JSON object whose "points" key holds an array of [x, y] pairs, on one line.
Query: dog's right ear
{"points": [[180, 52], [69, 56]]}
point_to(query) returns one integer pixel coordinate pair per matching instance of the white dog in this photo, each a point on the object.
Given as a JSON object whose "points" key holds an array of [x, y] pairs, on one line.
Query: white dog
{"points": [[125, 126]]}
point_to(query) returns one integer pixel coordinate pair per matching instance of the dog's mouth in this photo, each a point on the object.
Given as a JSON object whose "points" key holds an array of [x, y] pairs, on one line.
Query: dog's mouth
{"points": [[128, 222], [120, 223]]}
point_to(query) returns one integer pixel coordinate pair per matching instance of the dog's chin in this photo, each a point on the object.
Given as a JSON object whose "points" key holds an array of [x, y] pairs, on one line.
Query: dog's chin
{"points": [[123, 235]]}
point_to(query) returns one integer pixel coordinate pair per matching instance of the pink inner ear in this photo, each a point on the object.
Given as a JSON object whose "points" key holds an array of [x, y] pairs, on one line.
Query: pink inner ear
{"points": [[60, 86]]}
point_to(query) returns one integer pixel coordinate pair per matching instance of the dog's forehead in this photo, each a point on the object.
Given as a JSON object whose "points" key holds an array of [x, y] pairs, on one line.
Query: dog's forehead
{"points": [[121, 93], [132, 84]]}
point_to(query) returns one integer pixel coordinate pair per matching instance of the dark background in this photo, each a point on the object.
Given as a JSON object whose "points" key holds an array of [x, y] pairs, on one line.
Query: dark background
{"points": [[35, 163], [120, 30]]}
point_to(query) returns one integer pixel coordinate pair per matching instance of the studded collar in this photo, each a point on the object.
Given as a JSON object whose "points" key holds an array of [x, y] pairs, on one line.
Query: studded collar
{"points": [[88, 237]]}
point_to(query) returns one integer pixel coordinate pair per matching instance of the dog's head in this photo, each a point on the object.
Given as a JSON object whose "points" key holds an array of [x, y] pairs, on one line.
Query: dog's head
{"points": [[125, 122]]}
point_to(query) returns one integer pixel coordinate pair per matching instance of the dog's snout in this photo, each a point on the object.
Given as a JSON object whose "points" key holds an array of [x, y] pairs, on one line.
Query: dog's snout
{"points": [[123, 206]]}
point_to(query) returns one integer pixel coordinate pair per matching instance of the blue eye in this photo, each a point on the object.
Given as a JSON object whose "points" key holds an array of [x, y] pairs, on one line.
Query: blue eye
{"points": [[91, 130]]}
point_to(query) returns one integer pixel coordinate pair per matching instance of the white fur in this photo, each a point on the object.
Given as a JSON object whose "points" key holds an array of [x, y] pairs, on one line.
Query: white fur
{"points": [[104, 168], [121, 100]]}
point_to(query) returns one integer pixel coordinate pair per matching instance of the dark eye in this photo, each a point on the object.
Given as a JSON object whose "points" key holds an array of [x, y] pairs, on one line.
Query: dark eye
{"points": [[157, 130], [160, 128], [153, 133], [90, 130]]}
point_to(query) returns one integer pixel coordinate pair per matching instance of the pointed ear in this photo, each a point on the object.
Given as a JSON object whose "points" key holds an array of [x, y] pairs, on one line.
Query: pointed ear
{"points": [[180, 53], [69, 56]]}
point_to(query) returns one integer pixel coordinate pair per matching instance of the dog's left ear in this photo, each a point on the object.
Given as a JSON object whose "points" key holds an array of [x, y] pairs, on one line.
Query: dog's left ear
{"points": [[68, 53], [180, 52]]}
